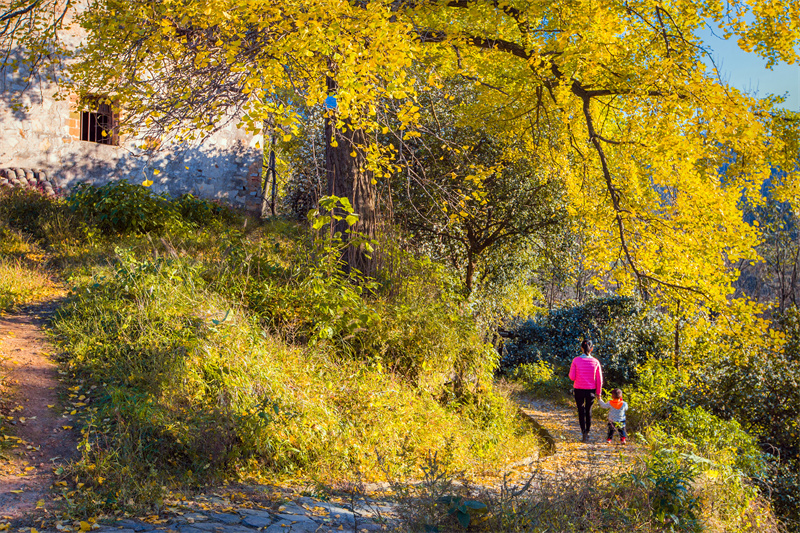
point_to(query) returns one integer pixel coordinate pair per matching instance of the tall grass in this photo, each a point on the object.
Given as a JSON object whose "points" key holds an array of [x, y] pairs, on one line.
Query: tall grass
{"points": [[22, 283], [23, 276]]}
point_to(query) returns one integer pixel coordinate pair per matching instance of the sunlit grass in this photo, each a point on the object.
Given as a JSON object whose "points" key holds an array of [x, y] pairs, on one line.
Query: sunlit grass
{"points": [[21, 284]]}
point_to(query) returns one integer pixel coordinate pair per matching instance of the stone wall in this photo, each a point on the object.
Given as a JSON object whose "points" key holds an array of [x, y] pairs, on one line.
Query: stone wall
{"points": [[43, 134]]}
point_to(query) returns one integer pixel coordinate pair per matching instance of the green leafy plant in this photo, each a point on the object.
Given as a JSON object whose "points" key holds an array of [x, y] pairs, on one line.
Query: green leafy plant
{"points": [[463, 509], [668, 478]]}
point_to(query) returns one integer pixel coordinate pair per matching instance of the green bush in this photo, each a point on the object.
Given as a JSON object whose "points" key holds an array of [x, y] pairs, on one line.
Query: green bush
{"points": [[724, 459], [121, 207], [668, 479], [200, 212], [625, 335]]}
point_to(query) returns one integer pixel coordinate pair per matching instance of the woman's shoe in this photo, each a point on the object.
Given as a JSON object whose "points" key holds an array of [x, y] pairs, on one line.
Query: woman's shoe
{"points": [[585, 437]]}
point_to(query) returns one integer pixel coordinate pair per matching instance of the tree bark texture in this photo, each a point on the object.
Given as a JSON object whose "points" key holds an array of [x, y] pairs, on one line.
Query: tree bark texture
{"points": [[348, 178]]}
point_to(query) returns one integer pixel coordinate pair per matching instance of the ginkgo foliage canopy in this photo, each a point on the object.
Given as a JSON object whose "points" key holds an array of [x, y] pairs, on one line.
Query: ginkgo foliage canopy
{"points": [[655, 153]]}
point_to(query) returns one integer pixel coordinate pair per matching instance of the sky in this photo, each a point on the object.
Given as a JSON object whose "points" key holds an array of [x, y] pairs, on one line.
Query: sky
{"points": [[748, 73]]}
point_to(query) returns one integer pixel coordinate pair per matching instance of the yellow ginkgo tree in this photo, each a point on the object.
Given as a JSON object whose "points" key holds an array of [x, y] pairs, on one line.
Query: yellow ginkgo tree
{"points": [[654, 152]]}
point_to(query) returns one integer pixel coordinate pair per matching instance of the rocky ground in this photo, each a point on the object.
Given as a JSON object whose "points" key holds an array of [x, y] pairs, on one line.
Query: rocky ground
{"points": [[303, 514]]}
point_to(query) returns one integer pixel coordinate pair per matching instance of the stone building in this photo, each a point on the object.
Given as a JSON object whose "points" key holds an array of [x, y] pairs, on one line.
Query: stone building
{"points": [[52, 142]]}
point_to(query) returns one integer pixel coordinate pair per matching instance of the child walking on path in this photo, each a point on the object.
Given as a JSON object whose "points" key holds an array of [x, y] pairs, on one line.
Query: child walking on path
{"points": [[616, 415]]}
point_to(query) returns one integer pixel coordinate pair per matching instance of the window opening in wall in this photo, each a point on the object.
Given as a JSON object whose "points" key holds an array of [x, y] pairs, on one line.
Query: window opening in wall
{"points": [[97, 121]]}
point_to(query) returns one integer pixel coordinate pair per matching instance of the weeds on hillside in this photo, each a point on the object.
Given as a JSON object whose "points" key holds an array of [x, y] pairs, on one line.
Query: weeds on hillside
{"points": [[199, 352], [196, 366]]}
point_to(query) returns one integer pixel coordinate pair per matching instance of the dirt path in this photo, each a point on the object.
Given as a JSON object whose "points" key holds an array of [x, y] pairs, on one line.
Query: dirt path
{"points": [[38, 441], [569, 455]]}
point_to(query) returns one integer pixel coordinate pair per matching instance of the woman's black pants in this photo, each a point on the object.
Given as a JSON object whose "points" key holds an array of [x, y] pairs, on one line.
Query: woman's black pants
{"points": [[584, 398]]}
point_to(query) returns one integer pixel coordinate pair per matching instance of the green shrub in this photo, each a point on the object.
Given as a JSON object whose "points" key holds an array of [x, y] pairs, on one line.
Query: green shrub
{"points": [[429, 340], [783, 485], [121, 207], [198, 212], [724, 458], [668, 479], [624, 332]]}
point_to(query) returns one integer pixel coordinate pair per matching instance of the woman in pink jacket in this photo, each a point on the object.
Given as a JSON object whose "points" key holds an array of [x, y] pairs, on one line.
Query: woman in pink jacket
{"points": [[585, 371]]}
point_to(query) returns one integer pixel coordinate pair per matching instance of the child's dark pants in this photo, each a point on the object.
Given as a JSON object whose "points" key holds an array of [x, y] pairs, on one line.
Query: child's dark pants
{"points": [[620, 427]]}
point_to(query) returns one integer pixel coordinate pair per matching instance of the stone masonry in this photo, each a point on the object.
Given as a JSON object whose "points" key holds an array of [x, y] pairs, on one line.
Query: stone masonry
{"points": [[40, 133]]}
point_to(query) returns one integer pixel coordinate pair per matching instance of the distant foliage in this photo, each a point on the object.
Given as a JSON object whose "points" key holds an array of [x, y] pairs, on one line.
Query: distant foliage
{"points": [[541, 378], [625, 334], [199, 212]]}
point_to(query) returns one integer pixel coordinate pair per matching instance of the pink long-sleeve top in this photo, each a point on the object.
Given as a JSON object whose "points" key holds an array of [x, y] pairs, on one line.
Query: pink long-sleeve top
{"points": [[585, 371]]}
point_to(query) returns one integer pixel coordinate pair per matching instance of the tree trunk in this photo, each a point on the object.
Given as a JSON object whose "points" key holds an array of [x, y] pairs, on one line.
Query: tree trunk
{"points": [[348, 178], [470, 272], [678, 330]]}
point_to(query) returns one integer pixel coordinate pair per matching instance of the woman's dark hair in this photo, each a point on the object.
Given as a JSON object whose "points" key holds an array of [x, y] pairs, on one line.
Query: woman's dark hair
{"points": [[586, 345]]}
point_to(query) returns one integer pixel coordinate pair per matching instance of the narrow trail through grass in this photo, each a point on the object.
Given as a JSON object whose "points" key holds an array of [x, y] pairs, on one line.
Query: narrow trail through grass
{"points": [[40, 435], [568, 455]]}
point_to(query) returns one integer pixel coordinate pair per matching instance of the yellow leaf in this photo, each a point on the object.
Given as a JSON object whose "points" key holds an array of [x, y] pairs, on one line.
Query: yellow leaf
{"points": [[156, 172], [287, 138], [86, 526], [147, 183]]}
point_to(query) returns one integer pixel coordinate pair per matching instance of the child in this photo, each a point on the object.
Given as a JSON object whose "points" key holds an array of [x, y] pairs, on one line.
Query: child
{"points": [[616, 415]]}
